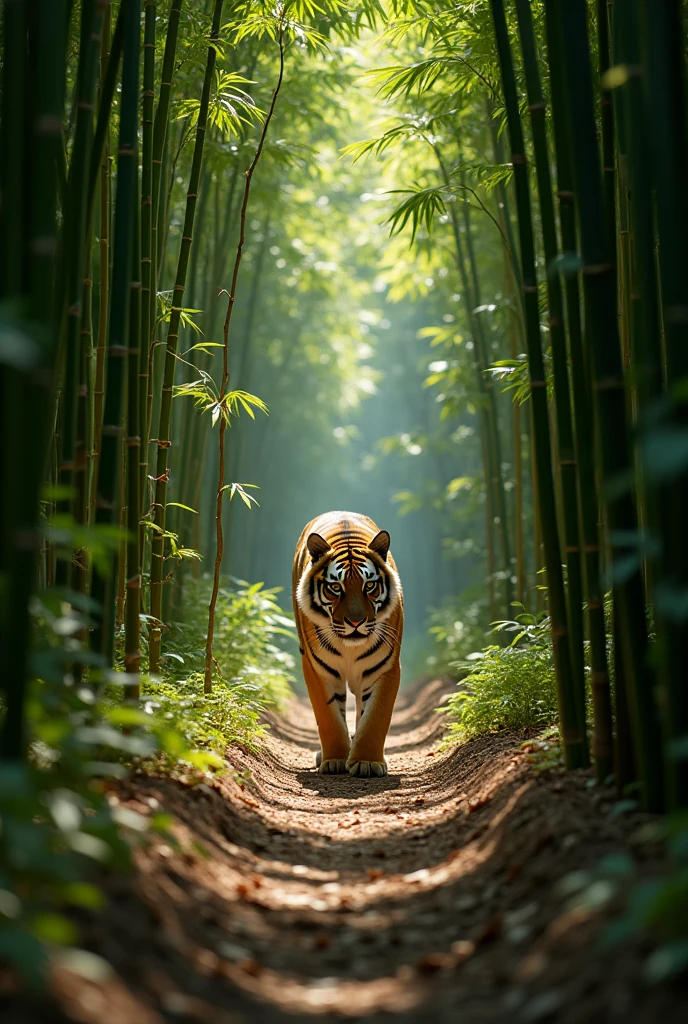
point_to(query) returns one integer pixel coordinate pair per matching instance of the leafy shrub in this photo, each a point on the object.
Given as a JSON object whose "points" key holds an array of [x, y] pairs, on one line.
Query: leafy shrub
{"points": [[508, 687], [250, 643]]}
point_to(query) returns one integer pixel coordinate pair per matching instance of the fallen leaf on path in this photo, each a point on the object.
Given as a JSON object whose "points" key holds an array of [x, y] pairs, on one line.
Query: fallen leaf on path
{"points": [[249, 802], [433, 962], [322, 941], [419, 800], [374, 874], [251, 967]]}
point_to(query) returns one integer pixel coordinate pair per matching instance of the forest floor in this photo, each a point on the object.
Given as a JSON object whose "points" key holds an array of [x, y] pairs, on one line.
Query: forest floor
{"points": [[430, 895]]}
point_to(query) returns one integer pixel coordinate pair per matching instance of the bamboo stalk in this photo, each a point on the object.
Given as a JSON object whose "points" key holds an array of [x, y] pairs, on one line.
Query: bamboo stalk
{"points": [[605, 352], [103, 268], [75, 242], [566, 454], [34, 78], [662, 30], [132, 652], [109, 471], [496, 506], [163, 439], [208, 675], [602, 739], [572, 739]]}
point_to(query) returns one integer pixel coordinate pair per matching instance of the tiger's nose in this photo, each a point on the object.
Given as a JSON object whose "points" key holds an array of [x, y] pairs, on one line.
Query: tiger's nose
{"points": [[354, 623]]}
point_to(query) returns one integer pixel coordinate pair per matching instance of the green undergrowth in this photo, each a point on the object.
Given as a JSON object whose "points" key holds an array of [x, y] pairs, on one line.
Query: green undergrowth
{"points": [[507, 687], [86, 733]]}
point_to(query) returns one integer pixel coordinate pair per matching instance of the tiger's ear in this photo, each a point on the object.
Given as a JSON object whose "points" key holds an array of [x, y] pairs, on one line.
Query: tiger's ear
{"points": [[317, 546], [380, 544]]}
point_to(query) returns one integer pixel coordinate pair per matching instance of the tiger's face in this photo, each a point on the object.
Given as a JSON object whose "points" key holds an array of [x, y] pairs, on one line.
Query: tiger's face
{"points": [[349, 592]]}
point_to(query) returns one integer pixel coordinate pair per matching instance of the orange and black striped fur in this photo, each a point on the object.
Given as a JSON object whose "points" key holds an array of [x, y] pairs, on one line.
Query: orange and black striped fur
{"points": [[349, 615]]}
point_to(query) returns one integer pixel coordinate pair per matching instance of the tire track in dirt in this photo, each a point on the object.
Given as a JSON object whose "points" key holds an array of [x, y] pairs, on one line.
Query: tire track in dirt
{"points": [[428, 895]]}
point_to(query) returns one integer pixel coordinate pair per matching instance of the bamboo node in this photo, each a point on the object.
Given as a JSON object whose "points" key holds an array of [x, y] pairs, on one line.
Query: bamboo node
{"points": [[608, 384], [529, 289], [599, 678], [164, 444], [519, 159], [118, 350], [538, 383], [571, 549], [597, 268], [537, 106], [565, 194], [111, 430], [133, 442], [48, 124], [135, 582]]}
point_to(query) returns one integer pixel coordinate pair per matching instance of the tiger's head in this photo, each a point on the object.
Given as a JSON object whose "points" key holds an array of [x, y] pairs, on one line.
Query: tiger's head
{"points": [[349, 591]]}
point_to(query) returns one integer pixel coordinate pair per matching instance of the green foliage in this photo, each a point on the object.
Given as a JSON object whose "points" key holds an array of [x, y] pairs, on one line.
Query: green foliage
{"points": [[207, 397], [509, 687], [252, 637]]}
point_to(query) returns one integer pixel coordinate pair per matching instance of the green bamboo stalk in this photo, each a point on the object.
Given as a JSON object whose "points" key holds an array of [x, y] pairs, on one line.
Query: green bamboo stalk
{"points": [[602, 739], [662, 32], [74, 241], [606, 117], [647, 348], [605, 353], [33, 76], [109, 472], [103, 189], [110, 58], [12, 172], [572, 738], [224, 387], [132, 652], [158, 158], [492, 460], [163, 437], [147, 304], [568, 467], [500, 503]]}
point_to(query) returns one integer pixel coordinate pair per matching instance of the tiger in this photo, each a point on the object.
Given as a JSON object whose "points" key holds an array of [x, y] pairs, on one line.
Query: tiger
{"points": [[349, 612]]}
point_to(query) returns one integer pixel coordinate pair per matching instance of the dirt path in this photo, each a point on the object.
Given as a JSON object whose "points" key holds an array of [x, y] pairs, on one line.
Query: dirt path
{"points": [[429, 895]]}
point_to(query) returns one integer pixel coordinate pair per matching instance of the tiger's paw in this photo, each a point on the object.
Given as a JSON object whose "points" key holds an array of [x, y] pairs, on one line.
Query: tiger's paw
{"points": [[332, 766], [367, 769]]}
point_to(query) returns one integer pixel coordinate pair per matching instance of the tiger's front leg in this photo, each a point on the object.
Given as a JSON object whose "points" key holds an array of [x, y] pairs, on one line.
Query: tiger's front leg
{"points": [[367, 756], [330, 717]]}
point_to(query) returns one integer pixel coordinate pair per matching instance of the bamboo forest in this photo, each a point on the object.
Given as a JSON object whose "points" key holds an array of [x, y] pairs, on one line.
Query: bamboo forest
{"points": [[402, 286]]}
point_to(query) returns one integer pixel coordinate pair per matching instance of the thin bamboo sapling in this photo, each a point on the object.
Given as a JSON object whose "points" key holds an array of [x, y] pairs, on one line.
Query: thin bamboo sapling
{"points": [[225, 400]]}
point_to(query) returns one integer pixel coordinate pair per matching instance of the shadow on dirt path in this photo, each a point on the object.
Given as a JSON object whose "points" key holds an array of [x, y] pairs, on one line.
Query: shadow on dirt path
{"points": [[429, 895]]}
